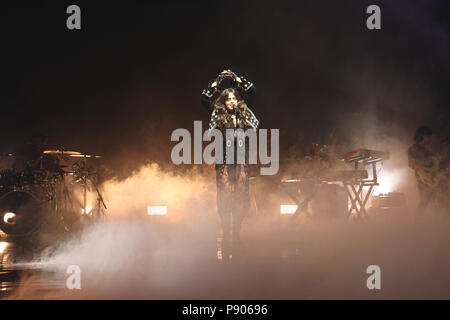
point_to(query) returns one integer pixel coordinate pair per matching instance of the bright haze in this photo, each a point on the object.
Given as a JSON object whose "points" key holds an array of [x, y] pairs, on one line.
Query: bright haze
{"points": [[134, 73]]}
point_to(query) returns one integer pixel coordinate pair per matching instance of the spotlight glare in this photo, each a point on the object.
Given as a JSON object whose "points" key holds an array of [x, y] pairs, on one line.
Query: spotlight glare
{"points": [[288, 208], [157, 210], [9, 217], [3, 246], [88, 210]]}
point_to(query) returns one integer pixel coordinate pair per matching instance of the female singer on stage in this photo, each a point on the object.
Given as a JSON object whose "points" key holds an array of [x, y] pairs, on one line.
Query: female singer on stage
{"points": [[228, 97]]}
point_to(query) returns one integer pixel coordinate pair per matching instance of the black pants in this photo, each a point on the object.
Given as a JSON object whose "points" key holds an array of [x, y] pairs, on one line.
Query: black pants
{"points": [[233, 199]]}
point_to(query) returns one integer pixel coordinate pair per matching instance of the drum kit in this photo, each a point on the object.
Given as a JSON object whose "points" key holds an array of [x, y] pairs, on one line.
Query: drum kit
{"points": [[58, 192]]}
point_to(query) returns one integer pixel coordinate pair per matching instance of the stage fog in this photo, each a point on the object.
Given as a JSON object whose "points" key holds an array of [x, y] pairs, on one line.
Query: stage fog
{"points": [[329, 85]]}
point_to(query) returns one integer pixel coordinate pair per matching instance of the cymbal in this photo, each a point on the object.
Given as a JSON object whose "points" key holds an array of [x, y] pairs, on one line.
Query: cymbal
{"points": [[61, 152], [70, 153], [85, 155]]}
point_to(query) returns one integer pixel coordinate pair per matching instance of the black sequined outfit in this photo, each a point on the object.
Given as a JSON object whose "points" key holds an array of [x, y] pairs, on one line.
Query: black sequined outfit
{"points": [[233, 193]]}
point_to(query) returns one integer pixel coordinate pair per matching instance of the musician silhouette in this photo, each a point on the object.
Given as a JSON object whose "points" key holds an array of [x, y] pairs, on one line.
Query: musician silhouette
{"points": [[420, 159], [28, 157]]}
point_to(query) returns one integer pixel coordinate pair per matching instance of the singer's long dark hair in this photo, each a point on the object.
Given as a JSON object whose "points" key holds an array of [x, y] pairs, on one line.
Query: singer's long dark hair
{"points": [[220, 101], [223, 114]]}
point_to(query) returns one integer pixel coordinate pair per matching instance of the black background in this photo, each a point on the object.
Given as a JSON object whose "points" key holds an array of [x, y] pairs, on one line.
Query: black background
{"points": [[135, 71]]}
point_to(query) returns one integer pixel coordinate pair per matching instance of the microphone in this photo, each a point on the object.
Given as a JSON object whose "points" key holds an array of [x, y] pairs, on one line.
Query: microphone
{"points": [[236, 110]]}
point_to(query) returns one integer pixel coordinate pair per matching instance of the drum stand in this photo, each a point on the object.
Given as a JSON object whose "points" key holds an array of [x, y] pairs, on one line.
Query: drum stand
{"points": [[99, 213], [100, 202]]}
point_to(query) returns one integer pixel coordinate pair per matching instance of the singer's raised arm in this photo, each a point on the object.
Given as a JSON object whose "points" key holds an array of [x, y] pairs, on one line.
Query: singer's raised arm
{"points": [[247, 90]]}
